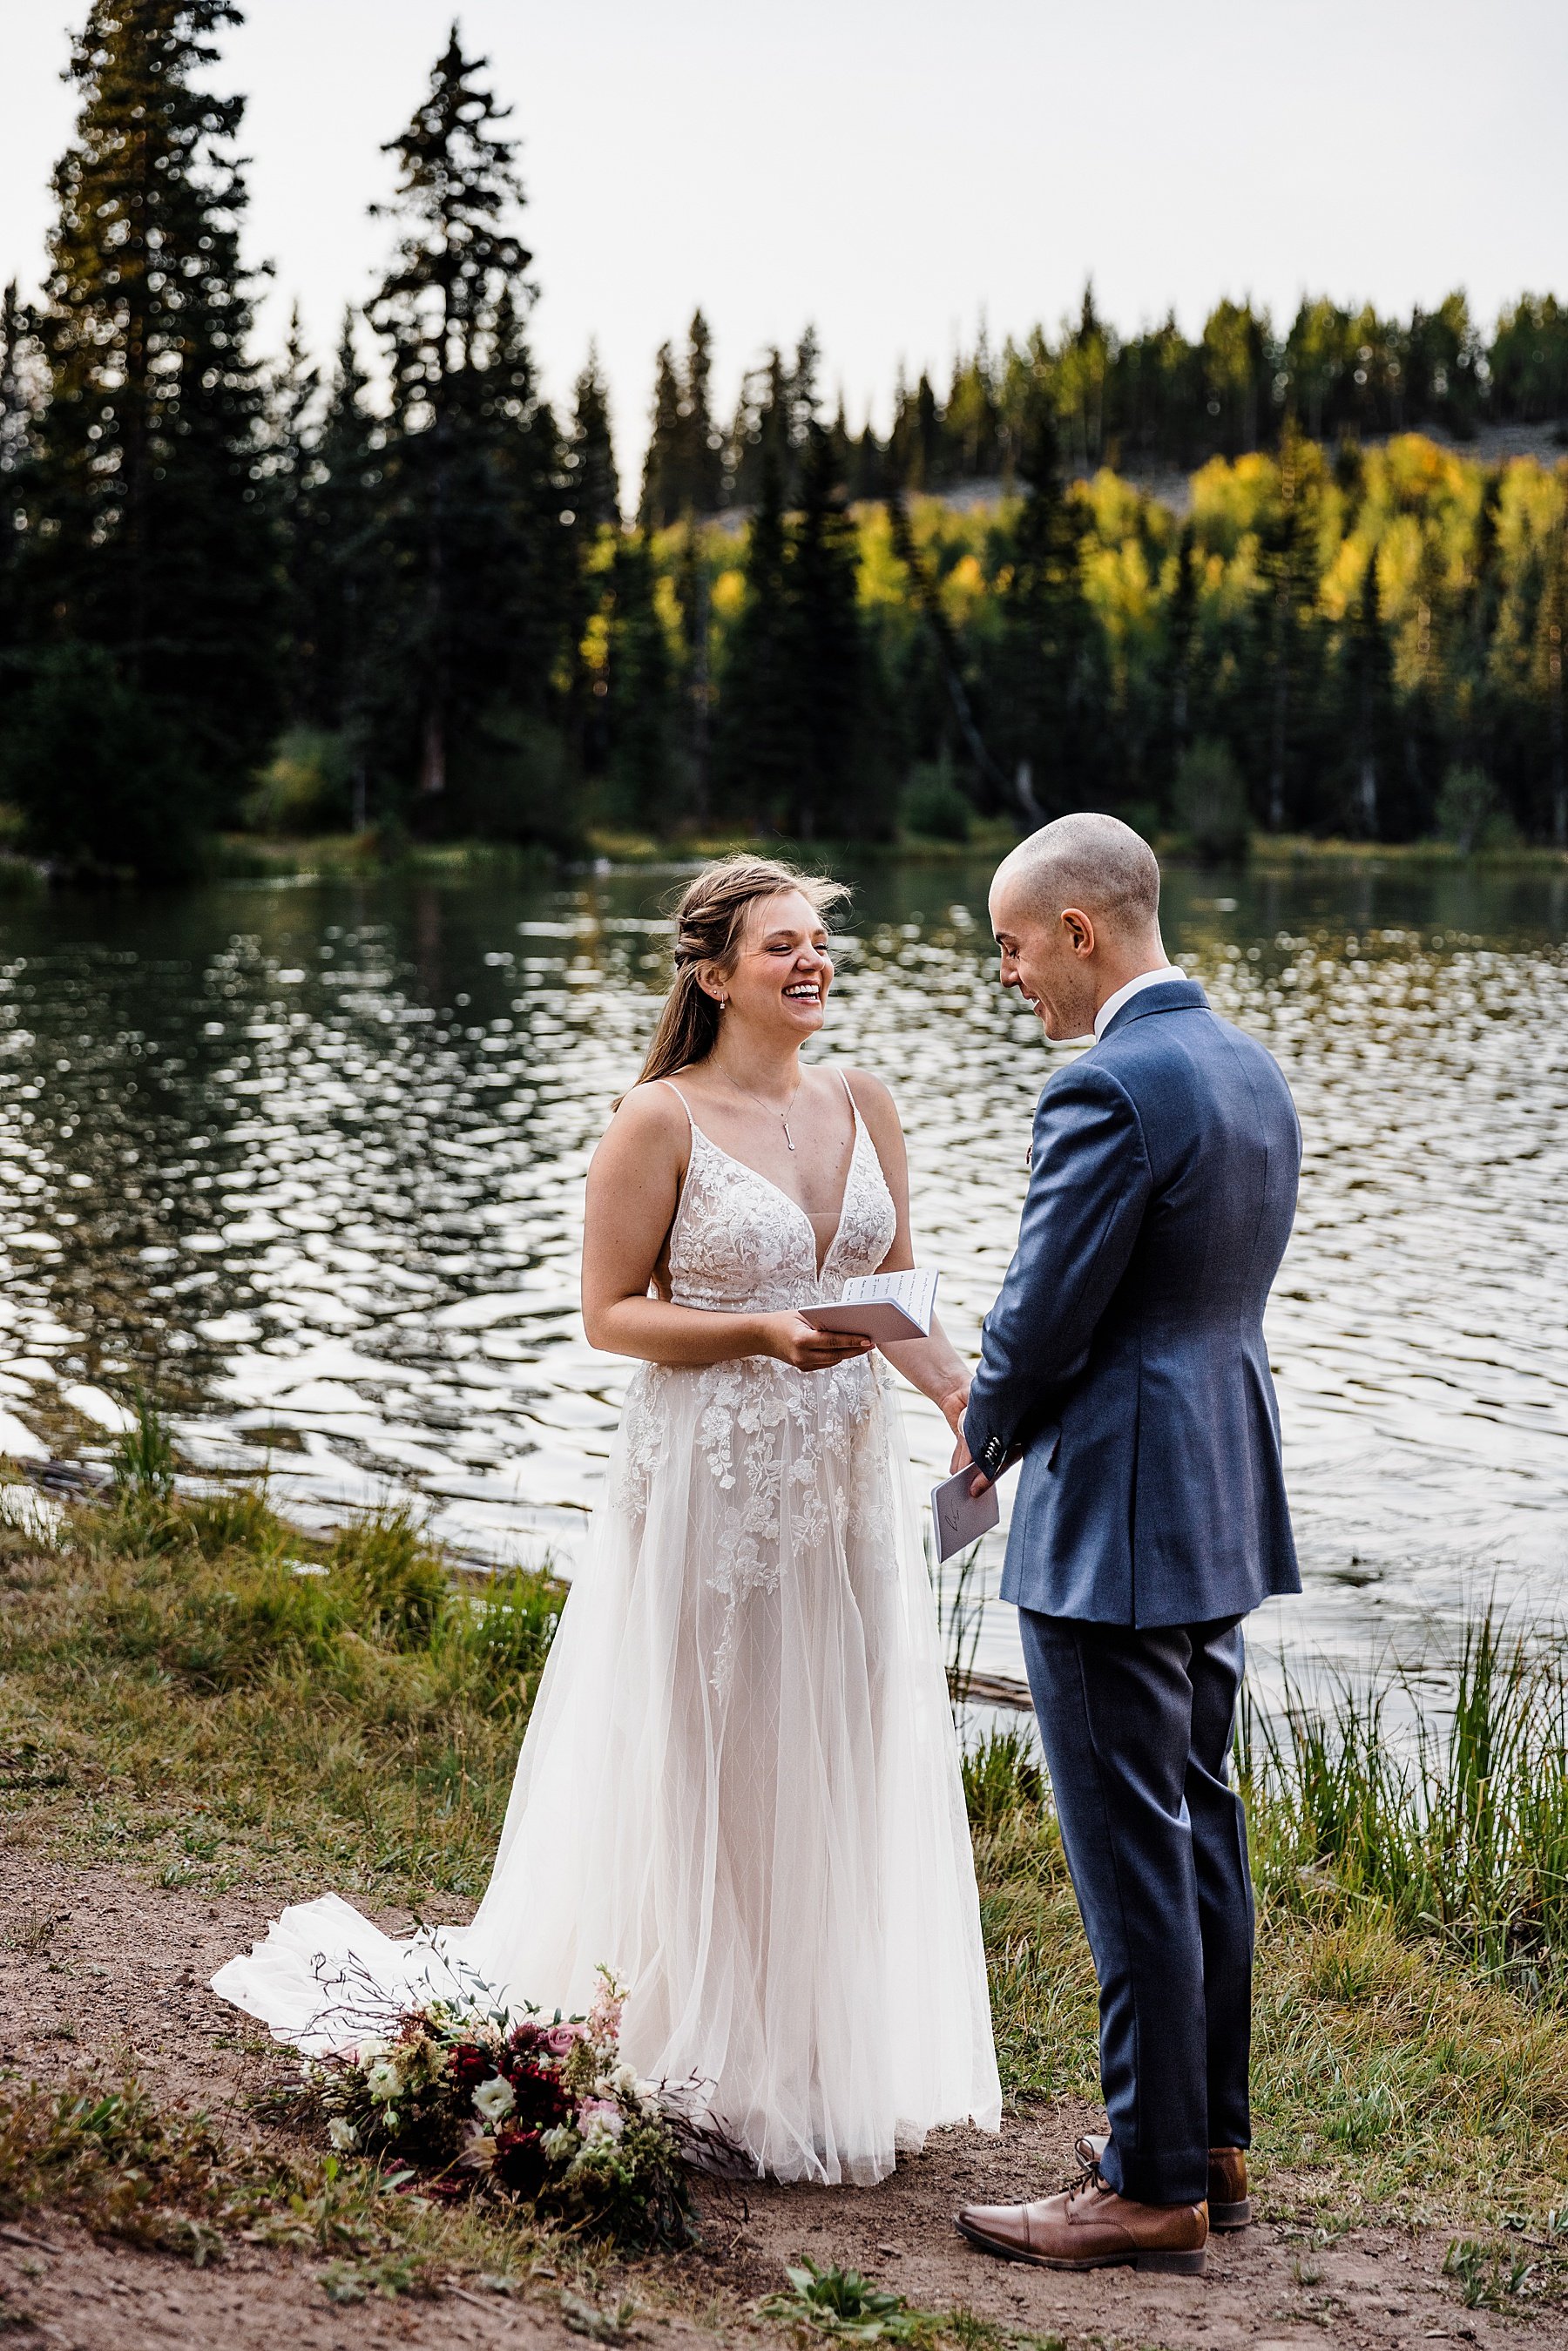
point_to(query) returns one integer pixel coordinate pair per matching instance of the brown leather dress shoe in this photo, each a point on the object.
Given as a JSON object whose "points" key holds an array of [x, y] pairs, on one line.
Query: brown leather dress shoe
{"points": [[1230, 2205], [1090, 2227]]}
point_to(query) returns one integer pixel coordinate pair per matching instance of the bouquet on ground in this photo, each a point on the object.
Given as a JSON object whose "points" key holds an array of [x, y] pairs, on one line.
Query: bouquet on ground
{"points": [[546, 2112]]}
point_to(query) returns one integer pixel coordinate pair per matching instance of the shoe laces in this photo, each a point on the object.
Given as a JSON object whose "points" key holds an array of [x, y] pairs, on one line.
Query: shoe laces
{"points": [[1079, 2181]]}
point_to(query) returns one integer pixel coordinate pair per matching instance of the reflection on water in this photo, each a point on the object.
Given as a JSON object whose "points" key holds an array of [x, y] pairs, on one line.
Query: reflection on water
{"points": [[313, 1157]]}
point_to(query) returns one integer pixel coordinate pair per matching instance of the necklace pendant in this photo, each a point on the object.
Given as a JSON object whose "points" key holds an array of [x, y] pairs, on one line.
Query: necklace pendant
{"points": [[788, 1136]]}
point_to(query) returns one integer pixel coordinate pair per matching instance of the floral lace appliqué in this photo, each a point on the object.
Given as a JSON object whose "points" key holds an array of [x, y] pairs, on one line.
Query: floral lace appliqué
{"points": [[789, 1457]]}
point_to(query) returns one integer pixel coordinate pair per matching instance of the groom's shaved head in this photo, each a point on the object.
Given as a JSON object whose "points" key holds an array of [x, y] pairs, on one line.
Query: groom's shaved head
{"points": [[1096, 863]]}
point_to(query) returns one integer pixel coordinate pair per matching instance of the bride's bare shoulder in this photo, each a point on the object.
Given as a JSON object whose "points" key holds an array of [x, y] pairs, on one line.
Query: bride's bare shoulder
{"points": [[871, 1097], [646, 1113]]}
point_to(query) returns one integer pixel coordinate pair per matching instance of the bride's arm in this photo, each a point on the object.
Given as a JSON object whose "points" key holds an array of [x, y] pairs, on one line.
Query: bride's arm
{"points": [[932, 1364], [634, 1190]]}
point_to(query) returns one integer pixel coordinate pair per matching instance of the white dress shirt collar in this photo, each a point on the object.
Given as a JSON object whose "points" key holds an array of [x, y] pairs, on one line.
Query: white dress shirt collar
{"points": [[1113, 1004]]}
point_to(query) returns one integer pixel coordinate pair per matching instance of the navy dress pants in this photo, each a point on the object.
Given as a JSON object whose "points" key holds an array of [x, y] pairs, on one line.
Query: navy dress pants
{"points": [[1136, 1727]]}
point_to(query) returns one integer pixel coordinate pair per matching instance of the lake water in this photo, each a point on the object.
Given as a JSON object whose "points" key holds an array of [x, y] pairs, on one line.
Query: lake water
{"points": [[311, 1159]]}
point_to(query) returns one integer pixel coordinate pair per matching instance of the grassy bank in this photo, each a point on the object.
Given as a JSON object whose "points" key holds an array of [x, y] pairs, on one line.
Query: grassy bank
{"points": [[346, 857], [1269, 850], [175, 1696], [364, 856]]}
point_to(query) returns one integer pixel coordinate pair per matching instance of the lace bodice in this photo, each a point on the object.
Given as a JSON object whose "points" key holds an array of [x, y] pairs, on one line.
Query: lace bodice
{"points": [[739, 1244]]}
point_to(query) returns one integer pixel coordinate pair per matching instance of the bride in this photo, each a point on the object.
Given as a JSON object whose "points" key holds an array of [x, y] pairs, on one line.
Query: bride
{"points": [[739, 1789]]}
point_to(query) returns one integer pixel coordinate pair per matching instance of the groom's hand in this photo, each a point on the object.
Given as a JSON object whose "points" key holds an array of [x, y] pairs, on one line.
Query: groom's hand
{"points": [[962, 1457]]}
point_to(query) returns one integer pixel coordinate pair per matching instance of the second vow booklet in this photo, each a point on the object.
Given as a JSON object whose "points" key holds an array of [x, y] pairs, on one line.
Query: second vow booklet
{"points": [[880, 1306], [959, 1518]]}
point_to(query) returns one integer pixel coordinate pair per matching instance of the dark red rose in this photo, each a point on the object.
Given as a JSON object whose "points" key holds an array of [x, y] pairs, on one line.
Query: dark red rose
{"points": [[526, 2039], [543, 2098], [469, 2065], [519, 2161]]}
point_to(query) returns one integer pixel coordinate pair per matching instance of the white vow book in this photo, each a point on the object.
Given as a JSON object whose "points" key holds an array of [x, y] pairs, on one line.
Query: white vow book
{"points": [[880, 1306], [958, 1517]]}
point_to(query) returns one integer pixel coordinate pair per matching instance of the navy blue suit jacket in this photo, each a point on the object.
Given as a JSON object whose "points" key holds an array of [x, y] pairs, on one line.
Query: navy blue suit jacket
{"points": [[1126, 1355]]}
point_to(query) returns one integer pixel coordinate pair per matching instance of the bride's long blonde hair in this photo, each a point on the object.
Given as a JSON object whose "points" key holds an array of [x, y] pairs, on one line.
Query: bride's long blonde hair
{"points": [[709, 922]]}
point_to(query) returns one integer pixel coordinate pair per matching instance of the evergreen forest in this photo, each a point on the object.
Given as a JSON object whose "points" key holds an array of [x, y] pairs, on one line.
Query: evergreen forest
{"points": [[1303, 579]]}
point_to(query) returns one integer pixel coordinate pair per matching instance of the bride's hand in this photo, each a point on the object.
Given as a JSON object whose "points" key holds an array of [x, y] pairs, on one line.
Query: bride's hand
{"points": [[795, 1341], [954, 1404]]}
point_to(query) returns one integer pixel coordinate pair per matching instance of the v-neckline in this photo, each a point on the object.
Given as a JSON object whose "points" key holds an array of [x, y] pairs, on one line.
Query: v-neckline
{"points": [[803, 1213]]}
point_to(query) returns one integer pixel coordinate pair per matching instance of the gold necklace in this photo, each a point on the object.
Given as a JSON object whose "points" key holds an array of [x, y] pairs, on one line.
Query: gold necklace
{"points": [[781, 1115]]}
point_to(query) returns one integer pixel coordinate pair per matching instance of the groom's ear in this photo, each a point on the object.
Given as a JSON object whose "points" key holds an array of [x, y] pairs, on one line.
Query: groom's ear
{"points": [[1079, 929]]}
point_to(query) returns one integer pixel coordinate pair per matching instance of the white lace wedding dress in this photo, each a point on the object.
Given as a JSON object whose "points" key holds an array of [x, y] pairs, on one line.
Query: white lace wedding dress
{"points": [[739, 1788]]}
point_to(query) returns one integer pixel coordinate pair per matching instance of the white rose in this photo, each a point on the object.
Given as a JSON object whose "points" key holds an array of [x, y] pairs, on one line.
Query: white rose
{"points": [[342, 2133], [493, 2099], [384, 2081]]}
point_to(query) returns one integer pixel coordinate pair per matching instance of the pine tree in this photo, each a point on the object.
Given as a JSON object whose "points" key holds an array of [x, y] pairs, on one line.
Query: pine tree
{"points": [[843, 783], [590, 455], [1369, 693], [1047, 693], [869, 473], [154, 538], [641, 703], [339, 572], [682, 474], [1551, 627], [971, 421], [917, 445], [761, 749], [18, 399], [19, 414], [846, 452], [799, 688], [693, 596], [1173, 727], [1287, 569], [292, 394], [701, 443], [472, 467], [660, 500], [764, 430]]}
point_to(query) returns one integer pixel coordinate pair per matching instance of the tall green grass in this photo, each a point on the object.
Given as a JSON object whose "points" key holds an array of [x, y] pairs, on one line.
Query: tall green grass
{"points": [[1455, 1828], [1460, 1827]]}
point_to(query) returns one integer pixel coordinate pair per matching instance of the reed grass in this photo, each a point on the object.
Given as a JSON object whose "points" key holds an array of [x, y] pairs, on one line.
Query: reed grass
{"points": [[1459, 1830]]}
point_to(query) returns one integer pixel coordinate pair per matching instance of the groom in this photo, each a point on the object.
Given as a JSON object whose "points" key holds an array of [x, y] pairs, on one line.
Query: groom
{"points": [[1126, 1362]]}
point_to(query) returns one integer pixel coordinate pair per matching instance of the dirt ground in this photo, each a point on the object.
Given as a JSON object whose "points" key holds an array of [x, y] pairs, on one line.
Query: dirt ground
{"points": [[96, 1965]]}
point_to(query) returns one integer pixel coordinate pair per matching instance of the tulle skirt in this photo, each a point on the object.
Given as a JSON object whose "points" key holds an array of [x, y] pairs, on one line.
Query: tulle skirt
{"points": [[739, 1792]]}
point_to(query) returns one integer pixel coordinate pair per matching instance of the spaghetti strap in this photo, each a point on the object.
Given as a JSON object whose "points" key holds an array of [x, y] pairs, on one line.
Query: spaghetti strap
{"points": [[681, 1099]]}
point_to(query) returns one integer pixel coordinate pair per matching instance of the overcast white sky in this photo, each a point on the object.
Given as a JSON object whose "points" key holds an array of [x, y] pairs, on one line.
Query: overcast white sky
{"points": [[893, 169]]}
